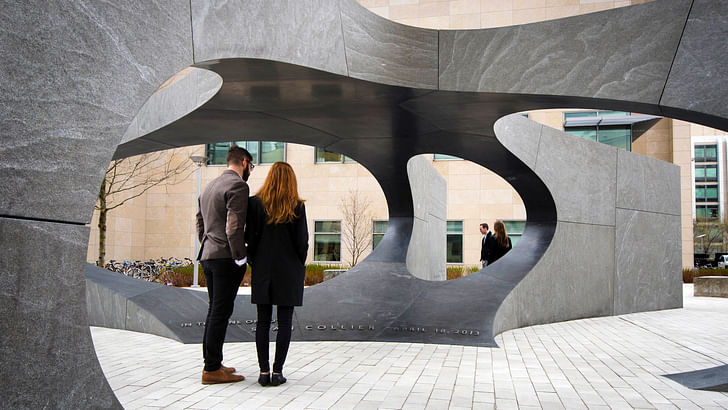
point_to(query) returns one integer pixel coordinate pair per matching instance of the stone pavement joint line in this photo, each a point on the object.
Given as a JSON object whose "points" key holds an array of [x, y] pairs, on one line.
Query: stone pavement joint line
{"points": [[607, 362]]}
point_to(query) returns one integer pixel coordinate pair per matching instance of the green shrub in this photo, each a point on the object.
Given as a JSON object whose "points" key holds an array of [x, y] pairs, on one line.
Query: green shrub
{"points": [[315, 273], [690, 273]]}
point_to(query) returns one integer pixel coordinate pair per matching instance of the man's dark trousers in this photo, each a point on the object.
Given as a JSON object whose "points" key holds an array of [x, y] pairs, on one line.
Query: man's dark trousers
{"points": [[223, 279]]}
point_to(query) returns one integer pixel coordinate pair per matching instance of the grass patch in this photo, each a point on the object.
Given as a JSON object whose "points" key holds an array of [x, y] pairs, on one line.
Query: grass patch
{"points": [[454, 272]]}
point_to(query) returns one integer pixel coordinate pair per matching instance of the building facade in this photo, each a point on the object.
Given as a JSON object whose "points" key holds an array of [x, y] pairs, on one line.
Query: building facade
{"points": [[160, 223]]}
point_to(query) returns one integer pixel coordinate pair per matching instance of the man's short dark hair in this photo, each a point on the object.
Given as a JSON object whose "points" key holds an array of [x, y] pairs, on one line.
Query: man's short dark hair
{"points": [[237, 154], [484, 225]]}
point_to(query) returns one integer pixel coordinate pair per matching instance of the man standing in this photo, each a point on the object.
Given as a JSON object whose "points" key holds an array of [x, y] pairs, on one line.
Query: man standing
{"points": [[485, 244], [220, 228]]}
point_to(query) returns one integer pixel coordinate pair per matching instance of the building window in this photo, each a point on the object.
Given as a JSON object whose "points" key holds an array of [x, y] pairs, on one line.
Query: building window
{"points": [[706, 193], [263, 152], [706, 212], [514, 229], [327, 241], [616, 135], [324, 156], [706, 173], [379, 228], [441, 157], [706, 153], [454, 241]]}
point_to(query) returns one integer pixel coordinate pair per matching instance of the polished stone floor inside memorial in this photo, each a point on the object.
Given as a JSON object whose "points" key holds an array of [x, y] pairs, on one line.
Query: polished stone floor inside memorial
{"points": [[609, 362]]}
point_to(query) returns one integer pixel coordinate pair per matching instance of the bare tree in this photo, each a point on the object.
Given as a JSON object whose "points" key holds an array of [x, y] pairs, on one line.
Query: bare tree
{"points": [[708, 233], [128, 178], [357, 225]]}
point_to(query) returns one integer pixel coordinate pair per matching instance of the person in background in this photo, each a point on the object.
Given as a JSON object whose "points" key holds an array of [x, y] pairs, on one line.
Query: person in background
{"points": [[501, 241], [221, 231], [486, 244], [277, 237]]}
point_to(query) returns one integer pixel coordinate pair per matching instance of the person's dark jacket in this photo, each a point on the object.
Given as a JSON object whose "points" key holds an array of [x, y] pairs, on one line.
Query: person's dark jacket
{"points": [[498, 251], [277, 256], [221, 217], [486, 245]]}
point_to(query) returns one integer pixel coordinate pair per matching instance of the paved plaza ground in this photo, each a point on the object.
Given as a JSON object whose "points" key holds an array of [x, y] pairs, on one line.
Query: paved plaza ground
{"points": [[609, 362]]}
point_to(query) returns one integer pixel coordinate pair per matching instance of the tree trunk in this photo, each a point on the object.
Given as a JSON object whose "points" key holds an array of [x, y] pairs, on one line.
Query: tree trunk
{"points": [[102, 224]]}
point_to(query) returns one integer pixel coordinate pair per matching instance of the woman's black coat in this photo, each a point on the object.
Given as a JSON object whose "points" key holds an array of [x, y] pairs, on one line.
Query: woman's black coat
{"points": [[497, 251], [277, 255]]}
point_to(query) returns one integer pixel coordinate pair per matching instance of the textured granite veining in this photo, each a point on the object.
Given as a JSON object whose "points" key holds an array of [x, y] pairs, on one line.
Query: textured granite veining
{"points": [[520, 136], [581, 176], [698, 75], [381, 50], [573, 279], [427, 256], [647, 184], [172, 101], [48, 358], [647, 262], [621, 54], [303, 32], [72, 77]]}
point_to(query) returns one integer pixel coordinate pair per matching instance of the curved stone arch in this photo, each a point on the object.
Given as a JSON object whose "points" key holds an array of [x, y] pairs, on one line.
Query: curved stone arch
{"points": [[76, 106]]}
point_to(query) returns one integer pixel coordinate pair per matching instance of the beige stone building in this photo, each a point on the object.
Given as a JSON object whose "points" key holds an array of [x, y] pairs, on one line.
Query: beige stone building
{"points": [[160, 223]]}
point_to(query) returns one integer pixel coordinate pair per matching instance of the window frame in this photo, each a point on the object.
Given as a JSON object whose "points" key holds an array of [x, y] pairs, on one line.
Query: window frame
{"points": [[315, 233], [450, 234], [244, 144], [344, 159], [515, 237], [376, 234]]}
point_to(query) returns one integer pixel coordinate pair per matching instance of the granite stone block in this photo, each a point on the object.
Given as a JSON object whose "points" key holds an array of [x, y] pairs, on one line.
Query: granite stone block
{"points": [[520, 136], [48, 356], [580, 174], [304, 32], [574, 279], [621, 54], [647, 262], [647, 184], [71, 85], [702, 55], [381, 50]]}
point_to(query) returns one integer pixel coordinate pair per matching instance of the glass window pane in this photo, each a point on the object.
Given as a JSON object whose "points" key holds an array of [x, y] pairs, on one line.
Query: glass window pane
{"points": [[613, 113], [711, 171], [349, 160], [710, 153], [376, 238], [216, 153], [327, 226], [514, 227], [619, 136], [711, 193], [252, 147], [323, 155], [271, 152], [699, 192], [455, 248], [454, 226], [589, 133], [579, 114], [327, 247], [379, 226], [699, 153], [699, 171], [439, 157]]}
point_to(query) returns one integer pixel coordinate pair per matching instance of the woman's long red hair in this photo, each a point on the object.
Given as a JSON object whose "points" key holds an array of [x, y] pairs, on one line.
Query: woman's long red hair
{"points": [[500, 234], [279, 194]]}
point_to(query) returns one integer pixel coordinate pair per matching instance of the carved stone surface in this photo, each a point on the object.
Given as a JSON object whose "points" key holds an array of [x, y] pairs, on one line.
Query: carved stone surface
{"points": [[45, 343], [72, 77], [623, 53], [647, 255], [304, 32], [74, 74], [647, 184], [387, 52], [701, 55], [427, 252]]}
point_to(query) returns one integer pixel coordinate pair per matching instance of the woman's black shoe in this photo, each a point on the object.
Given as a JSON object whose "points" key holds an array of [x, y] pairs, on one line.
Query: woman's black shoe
{"points": [[276, 379], [264, 379]]}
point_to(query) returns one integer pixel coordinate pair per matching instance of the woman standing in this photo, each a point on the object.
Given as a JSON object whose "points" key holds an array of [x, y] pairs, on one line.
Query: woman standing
{"points": [[502, 241], [277, 237]]}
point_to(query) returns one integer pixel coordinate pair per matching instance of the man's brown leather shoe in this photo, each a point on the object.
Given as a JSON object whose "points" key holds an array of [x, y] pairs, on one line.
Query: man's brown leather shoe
{"points": [[220, 376], [228, 369]]}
